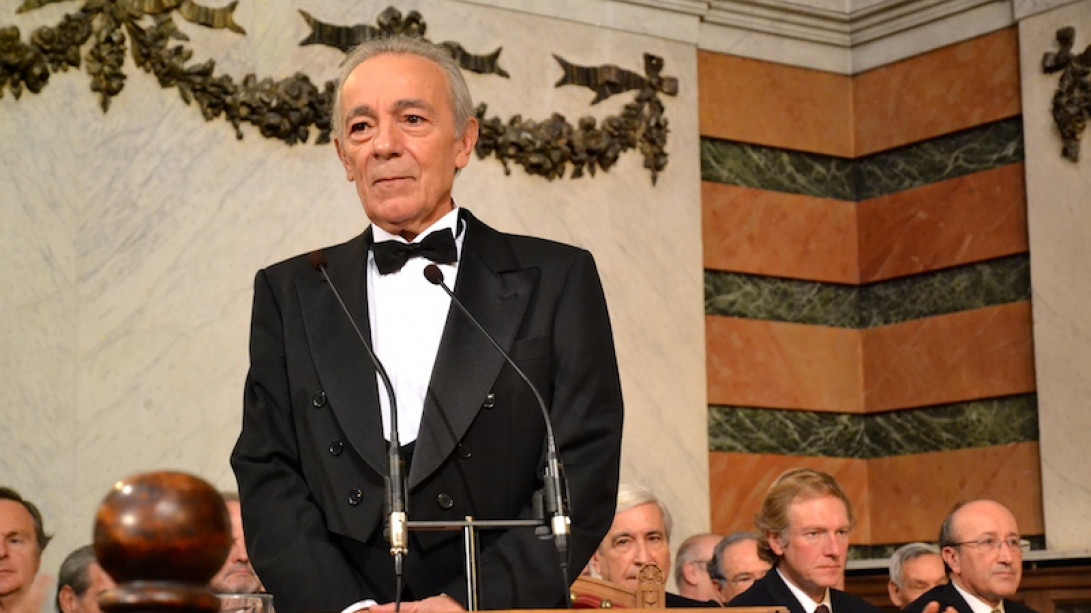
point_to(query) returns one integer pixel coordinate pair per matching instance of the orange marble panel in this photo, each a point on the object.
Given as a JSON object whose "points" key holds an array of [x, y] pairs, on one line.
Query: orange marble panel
{"points": [[757, 102], [783, 365], [950, 89], [738, 481], [911, 494], [982, 353], [762, 232], [968, 219]]}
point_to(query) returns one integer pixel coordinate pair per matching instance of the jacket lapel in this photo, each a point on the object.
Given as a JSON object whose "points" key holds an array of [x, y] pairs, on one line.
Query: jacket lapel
{"points": [[341, 361], [497, 293]]}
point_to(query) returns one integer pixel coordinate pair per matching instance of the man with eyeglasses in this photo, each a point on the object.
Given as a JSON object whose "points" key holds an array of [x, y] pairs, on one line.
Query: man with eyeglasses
{"points": [[804, 526], [736, 565], [983, 554], [691, 568]]}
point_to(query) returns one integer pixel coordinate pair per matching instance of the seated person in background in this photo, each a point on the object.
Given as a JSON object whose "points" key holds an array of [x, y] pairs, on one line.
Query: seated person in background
{"points": [[804, 525], [983, 553], [237, 575], [914, 569], [691, 568], [22, 540], [639, 535], [736, 565], [81, 581]]}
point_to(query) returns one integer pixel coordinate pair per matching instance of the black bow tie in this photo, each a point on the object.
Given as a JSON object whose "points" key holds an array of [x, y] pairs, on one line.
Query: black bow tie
{"points": [[438, 246]]}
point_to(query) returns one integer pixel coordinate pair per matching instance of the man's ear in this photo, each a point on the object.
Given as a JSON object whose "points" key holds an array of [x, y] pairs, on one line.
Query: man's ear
{"points": [[893, 592], [775, 543], [951, 559], [689, 573], [67, 599]]}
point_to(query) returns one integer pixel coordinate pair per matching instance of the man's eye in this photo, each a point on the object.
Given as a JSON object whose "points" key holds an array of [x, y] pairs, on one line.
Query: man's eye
{"points": [[414, 119], [359, 126]]}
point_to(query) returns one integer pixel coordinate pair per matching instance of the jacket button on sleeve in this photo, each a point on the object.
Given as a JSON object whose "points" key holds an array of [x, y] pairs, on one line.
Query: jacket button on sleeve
{"points": [[444, 501], [355, 497], [336, 447], [319, 399]]}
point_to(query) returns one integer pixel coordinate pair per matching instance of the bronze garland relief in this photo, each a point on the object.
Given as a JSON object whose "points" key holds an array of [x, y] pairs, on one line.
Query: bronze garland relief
{"points": [[98, 35], [1072, 100]]}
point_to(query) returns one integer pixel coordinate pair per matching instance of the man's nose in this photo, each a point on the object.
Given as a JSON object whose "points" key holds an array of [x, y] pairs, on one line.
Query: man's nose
{"points": [[388, 141]]}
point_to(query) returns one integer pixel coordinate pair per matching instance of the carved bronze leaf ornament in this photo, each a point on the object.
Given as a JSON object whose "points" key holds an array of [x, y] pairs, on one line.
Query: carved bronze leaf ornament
{"points": [[1072, 100], [100, 33]]}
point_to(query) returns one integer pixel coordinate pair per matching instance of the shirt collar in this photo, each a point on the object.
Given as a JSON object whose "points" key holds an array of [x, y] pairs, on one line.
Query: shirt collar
{"points": [[448, 221], [809, 605], [976, 604]]}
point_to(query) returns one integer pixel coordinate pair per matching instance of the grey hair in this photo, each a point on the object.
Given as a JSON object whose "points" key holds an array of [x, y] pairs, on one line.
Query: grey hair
{"points": [[908, 553], [75, 572], [462, 105], [716, 566], [631, 495]]}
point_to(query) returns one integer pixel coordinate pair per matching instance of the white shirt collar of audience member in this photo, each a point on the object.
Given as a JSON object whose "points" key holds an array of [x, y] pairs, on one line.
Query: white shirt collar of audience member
{"points": [[809, 605]]}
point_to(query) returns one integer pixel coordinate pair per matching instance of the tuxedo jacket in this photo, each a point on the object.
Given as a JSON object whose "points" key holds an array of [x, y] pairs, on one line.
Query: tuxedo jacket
{"points": [[311, 458], [772, 590], [948, 596]]}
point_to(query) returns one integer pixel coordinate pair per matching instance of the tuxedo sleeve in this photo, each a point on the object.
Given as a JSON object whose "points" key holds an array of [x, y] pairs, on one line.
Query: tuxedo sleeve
{"points": [[585, 405], [286, 537]]}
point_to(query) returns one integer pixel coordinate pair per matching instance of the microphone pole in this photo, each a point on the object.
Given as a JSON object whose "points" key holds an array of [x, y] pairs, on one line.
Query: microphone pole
{"points": [[396, 501], [556, 492]]}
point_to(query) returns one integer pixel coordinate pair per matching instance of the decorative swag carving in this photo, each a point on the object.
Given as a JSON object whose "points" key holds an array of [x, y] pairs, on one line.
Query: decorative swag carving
{"points": [[1072, 100], [98, 35]]}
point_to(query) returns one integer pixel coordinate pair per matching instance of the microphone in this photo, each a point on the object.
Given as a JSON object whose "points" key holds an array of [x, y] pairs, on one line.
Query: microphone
{"points": [[396, 485], [556, 492]]}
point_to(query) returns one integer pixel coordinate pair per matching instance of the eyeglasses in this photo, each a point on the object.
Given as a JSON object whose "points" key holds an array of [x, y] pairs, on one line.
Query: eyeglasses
{"points": [[990, 543]]}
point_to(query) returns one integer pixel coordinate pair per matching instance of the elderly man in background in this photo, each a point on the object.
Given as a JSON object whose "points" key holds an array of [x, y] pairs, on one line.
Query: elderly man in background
{"points": [[914, 569], [804, 523], [22, 540], [983, 553], [736, 565], [691, 568], [81, 581], [237, 575]]}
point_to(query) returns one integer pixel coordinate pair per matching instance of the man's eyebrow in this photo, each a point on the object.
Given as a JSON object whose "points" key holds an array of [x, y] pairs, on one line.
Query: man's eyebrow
{"points": [[411, 103], [360, 111]]}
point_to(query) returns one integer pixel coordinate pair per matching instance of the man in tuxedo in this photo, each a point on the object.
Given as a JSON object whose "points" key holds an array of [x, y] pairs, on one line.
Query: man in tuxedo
{"points": [[983, 554], [804, 526], [915, 568], [312, 455]]}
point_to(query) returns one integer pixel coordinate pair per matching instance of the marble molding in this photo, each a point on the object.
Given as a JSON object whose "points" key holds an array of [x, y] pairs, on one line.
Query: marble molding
{"points": [[133, 238], [1059, 222]]}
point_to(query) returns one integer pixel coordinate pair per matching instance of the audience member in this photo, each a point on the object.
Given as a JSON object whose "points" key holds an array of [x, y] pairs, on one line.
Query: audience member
{"points": [[237, 575], [639, 535], [804, 526], [914, 569], [736, 565], [691, 565], [22, 540], [81, 581], [983, 553]]}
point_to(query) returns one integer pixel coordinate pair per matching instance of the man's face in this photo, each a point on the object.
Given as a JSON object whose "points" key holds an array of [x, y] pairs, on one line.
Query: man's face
{"points": [[88, 602], [400, 145], [696, 582], [19, 553], [742, 566], [919, 575], [990, 573], [815, 545], [237, 575], [637, 537]]}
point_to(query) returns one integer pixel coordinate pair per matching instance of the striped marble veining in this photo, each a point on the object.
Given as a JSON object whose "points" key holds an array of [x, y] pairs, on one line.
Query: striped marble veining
{"points": [[938, 159], [1000, 281], [964, 425]]}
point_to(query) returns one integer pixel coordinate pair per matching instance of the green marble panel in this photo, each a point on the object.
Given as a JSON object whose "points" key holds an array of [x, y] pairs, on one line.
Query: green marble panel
{"points": [[1000, 281], [938, 159], [965, 425]]}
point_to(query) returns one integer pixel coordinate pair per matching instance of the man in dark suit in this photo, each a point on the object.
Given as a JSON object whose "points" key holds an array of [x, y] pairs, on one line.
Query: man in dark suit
{"points": [[983, 554], [804, 526], [312, 455]]}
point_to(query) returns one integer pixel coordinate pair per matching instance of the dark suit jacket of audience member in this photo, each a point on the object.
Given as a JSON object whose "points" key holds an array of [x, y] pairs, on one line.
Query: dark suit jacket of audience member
{"points": [[772, 590], [948, 596], [677, 601]]}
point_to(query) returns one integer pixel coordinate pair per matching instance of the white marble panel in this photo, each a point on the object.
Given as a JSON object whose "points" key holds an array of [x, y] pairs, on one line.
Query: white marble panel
{"points": [[1059, 220], [132, 238], [1028, 8]]}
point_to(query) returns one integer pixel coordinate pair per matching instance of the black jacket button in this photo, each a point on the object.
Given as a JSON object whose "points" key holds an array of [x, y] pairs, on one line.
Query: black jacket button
{"points": [[444, 501], [319, 399], [464, 451], [490, 401], [355, 497], [336, 447]]}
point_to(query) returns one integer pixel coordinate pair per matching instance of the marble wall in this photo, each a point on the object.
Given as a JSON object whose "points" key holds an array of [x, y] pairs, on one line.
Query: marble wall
{"points": [[131, 239]]}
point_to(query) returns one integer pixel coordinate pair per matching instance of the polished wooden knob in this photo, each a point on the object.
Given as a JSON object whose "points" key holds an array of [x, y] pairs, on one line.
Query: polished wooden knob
{"points": [[161, 536]]}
